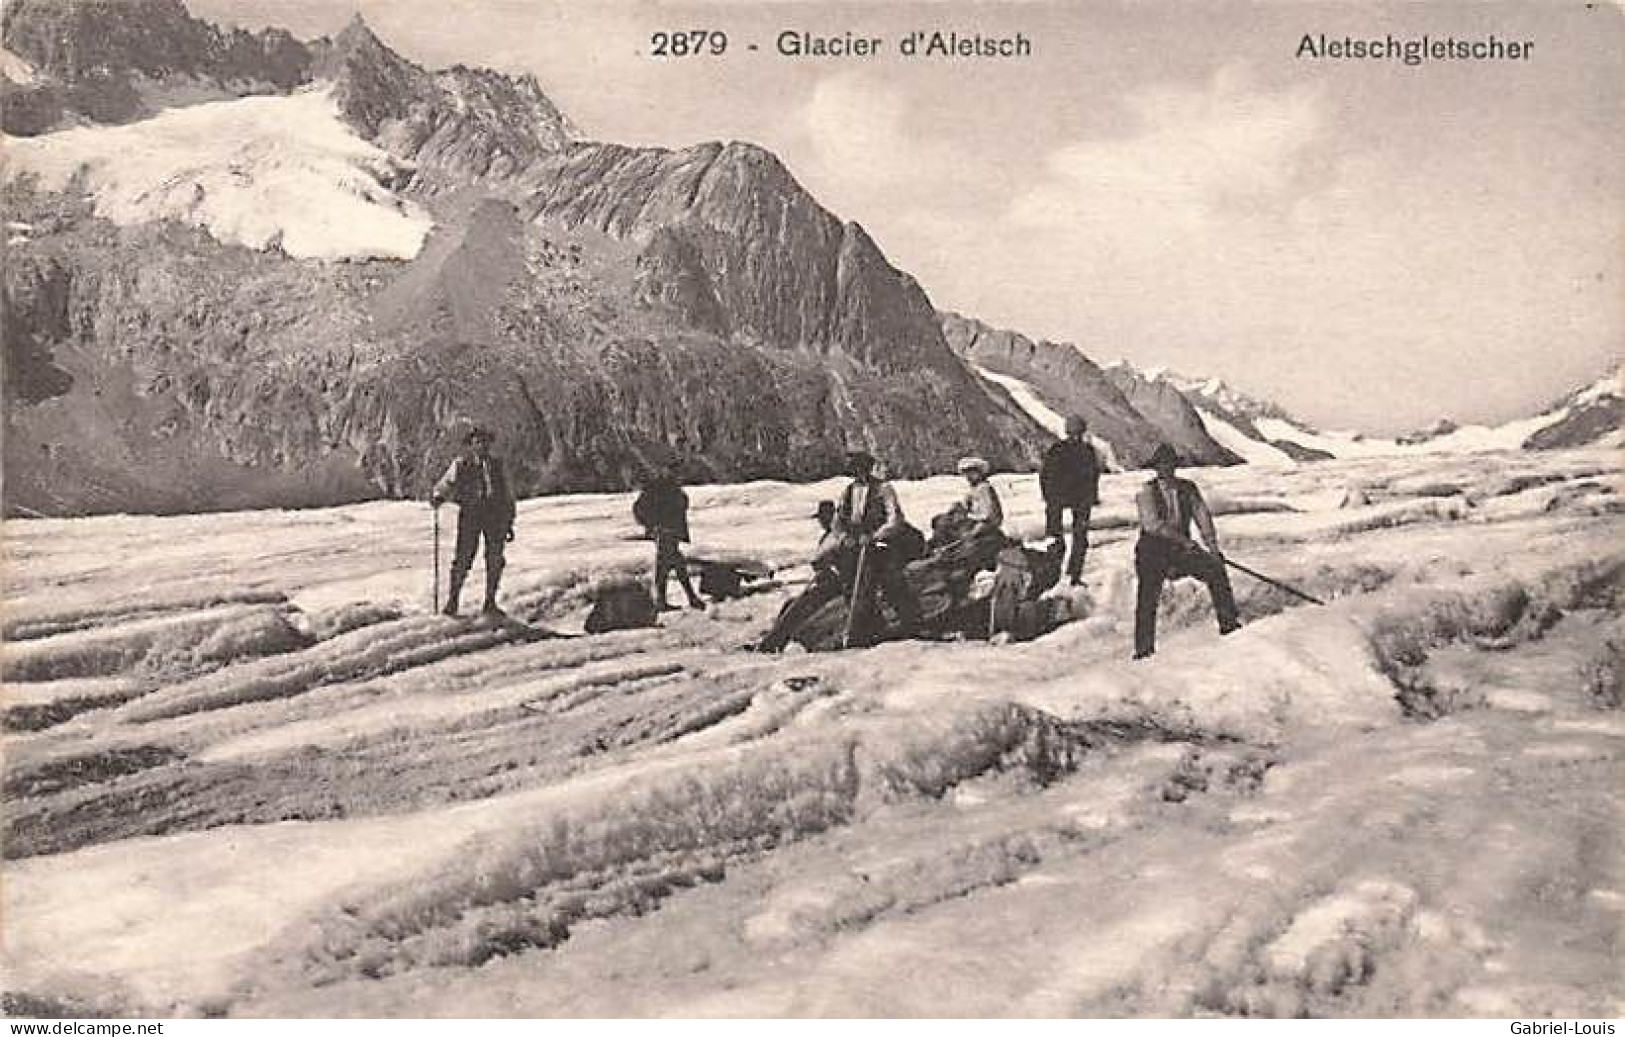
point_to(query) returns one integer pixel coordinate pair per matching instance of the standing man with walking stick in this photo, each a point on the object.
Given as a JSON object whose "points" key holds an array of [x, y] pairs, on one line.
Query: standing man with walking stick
{"points": [[478, 483], [867, 518], [1168, 505]]}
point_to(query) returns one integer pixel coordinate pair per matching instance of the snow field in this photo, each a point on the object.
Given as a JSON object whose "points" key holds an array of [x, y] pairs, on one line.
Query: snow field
{"points": [[403, 813]]}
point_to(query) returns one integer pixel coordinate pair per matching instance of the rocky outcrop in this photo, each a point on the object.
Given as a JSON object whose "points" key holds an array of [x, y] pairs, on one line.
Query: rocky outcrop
{"points": [[1442, 427], [1070, 383], [725, 231], [1300, 453], [1176, 421], [207, 376], [1584, 424], [1065, 379], [456, 126], [117, 62]]}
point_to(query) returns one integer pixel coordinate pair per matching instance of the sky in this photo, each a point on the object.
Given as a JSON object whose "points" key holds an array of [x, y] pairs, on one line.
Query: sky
{"points": [[1372, 245]]}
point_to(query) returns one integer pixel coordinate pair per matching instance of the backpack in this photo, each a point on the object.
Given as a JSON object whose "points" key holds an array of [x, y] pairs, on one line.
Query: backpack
{"points": [[908, 544], [620, 605]]}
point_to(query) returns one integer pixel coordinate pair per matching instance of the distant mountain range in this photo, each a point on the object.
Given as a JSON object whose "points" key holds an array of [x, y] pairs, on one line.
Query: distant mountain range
{"points": [[1591, 416], [1210, 422]]}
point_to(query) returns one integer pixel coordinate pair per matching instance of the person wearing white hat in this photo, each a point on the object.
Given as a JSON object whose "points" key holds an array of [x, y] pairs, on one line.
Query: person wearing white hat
{"points": [[981, 504]]}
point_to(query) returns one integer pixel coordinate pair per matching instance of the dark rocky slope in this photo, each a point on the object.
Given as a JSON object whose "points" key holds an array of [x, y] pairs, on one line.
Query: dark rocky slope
{"points": [[112, 61], [1589, 419], [603, 307], [1130, 413]]}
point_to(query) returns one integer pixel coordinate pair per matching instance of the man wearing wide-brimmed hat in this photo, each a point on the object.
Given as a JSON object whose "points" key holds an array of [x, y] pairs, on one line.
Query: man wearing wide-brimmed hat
{"points": [[477, 482], [1168, 505], [868, 518]]}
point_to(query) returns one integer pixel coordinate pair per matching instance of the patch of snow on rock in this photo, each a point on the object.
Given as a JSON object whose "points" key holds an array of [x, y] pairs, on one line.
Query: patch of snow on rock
{"points": [[1027, 400], [1242, 445], [15, 67], [257, 171]]}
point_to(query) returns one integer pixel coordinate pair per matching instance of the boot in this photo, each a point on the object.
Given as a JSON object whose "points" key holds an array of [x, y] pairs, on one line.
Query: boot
{"points": [[453, 592], [492, 579], [694, 601]]}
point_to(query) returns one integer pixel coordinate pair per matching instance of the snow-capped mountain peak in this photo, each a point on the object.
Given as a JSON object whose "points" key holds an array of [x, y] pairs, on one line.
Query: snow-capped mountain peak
{"points": [[1261, 431]]}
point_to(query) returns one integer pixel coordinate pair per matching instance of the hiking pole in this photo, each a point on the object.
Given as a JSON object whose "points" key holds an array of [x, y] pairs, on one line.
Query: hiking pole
{"points": [[434, 605], [857, 588], [1295, 592]]}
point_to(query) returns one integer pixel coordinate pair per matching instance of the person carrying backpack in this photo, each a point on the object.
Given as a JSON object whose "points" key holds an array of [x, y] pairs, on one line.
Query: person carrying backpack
{"points": [[662, 510]]}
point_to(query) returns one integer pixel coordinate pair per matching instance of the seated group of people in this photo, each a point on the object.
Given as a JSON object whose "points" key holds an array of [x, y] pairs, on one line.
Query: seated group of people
{"points": [[867, 542]]}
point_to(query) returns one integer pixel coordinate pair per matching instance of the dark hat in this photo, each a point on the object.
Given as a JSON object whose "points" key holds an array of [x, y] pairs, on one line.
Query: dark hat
{"points": [[478, 433], [861, 458], [1164, 454], [825, 509]]}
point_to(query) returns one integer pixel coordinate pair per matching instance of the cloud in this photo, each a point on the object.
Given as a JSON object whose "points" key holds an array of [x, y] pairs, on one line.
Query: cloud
{"points": [[1267, 232], [1245, 231], [856, 124], [865, 138], [1193, 156]]}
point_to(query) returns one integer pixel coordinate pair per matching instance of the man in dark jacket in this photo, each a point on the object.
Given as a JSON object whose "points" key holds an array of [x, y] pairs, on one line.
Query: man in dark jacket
{"points": [[1168, 505], [1070, 479], [662, 509], [478, 484]]}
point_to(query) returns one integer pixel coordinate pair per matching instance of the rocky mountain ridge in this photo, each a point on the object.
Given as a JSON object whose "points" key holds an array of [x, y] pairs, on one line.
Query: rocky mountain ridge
{"points": [[98, 62], [1592, 414], [605, 308], [1125, 405], [1128, 411]]}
